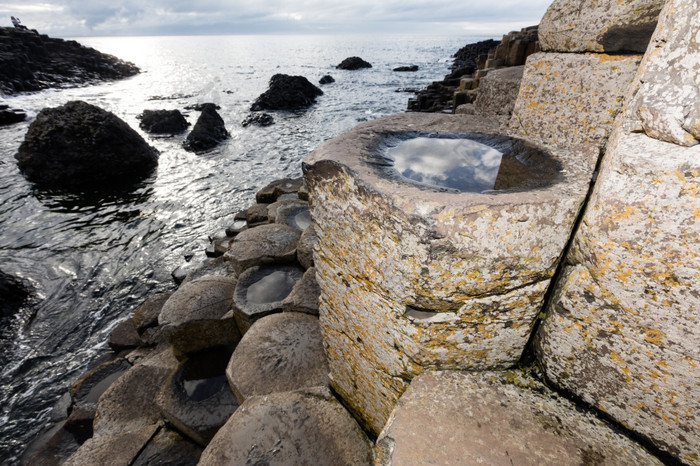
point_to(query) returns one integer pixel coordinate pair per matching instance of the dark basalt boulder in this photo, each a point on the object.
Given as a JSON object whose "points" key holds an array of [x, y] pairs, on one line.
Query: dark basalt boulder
{"points": [[208, 132], [14, 293], [79, 145], [327, 79], [287, 93], [258, 119], [10, 116], [353, 63], [406, 68], [163, 121], [31, 62]]}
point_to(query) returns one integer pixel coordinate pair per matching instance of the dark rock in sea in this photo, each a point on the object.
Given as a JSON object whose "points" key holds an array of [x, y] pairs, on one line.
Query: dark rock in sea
{"points": [[124, 336], [353, 63], [208, 132], [406, 68], [469, 54], [277, 188], [10, 116], [327, 79], [258, 119], [200, 107], [287, 93], [31, 62], [14, 294], [163, 121], [79, 145]]}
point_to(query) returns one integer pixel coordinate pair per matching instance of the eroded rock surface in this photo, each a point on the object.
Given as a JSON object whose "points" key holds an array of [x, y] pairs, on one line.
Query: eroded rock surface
{"points": [[208, 132], [264, 244], [287, 93]]}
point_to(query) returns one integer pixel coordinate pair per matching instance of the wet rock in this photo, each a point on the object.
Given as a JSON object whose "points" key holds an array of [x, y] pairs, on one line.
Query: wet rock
{"points": [[118, 449], [287, 93], [304, 296], [80, 145], [305, 247], [261, 291], [197, 399], [146, 315], [15, 293], [258, 119], [414, 277], [163, 121], [51, 448], [262, 245], [239, 224], [580, 105], [208, 132], [290, 212], [168, 448], [353, 63], [327, 79], [497, 418], [303, 427], [256, 215], [404, 69], [124, 336], [572, 26], [9, 116], [281, 352], [79, 423], [218, 267], [192, 318], [277, 188]]}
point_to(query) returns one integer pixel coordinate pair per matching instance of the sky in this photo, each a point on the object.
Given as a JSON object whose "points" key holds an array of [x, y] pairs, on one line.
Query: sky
{"points": [[81, 18]]}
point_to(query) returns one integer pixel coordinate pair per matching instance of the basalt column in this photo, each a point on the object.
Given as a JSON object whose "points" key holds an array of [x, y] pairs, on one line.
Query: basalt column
{"points": [[415, 275]]}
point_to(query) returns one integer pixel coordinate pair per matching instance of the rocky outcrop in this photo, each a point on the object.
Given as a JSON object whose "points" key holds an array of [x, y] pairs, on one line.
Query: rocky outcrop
{"points": [[353, 63], [208, 132], [410, 68], [622, 330], [31, 62], [603, 27], [258, 119], [79, 145], [287, 93], [162, 121], [498, 92], [327, 79], [9, 116], [14, 291]]}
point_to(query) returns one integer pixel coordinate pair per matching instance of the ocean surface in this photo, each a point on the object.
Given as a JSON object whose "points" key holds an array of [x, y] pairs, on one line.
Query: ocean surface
{"points": [[93, 259]]}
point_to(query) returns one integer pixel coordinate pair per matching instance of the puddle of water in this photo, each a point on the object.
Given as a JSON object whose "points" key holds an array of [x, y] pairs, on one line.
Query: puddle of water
{"points": [[273, 287], [457, 163], [302, 219]]}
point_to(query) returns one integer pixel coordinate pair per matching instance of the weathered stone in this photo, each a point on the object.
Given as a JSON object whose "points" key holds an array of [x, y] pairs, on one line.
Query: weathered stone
{"points": [[256, 215], [272, 209], [10, 116], [197, 399], [277, 188], [580, 105], [305, 247], [498, 92], [408, 68], [218, 267], [264, 244], [353, 63], [292, 212], [88, 389], [118, 449], [168, 448], [208, 132], [287, 93], [162, 121], [414, 277], [302, 427], [592, 26], [51, 448], [304, 295], [498, 418], [281, 352], [192, 318], [261, 291], [326, 79], [124, 336], [146, 315], [258, 119]]}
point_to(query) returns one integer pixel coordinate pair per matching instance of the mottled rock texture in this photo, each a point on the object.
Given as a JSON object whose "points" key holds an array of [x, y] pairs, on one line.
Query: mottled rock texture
{"points": [[414, 278], [599, 26], [623, 330], [567, 99], [498, 91], [498, 418]]}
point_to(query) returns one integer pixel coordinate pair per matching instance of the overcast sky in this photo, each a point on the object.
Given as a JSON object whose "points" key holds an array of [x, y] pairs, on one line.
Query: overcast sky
{"points": [[74, 18]]}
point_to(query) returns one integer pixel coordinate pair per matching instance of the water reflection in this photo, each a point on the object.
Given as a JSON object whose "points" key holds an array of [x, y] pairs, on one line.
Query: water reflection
{"points": [[271, 288]]}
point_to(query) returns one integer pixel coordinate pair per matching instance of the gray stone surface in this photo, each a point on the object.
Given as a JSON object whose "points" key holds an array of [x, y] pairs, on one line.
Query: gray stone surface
{"points": [[305, 294], [281, 352], [192, 318], [306, 427], [146, 315], [595, 26], [567, 99], [168, 448], [498, 92], [262, 245], [124, 336], [498, 418], [305, 247], [118, 449], [277, 188], [414, 278]]}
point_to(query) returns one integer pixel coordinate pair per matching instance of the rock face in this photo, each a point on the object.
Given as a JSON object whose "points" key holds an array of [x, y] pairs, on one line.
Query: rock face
{"points": [[607, 27], [410, 68], [208, 132], [353, 63], [327, 79], [622, 330], [414, 278], [163, 121], [31, 62], [287, 93], [80, 145], [498, 418], [498, 92], [580, 105], [258, 119], [10, 116]]}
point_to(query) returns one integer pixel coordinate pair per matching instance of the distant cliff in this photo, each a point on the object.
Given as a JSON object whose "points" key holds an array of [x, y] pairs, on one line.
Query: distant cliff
{"points": [[31, 62]]}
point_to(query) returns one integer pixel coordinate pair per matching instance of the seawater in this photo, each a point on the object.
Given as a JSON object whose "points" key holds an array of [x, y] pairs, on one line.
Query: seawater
{"points": [[92, 259]]}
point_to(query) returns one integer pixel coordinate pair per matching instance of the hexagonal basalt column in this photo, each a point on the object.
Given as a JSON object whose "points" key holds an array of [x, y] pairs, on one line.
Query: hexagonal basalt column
{"points": [[415, 275]]}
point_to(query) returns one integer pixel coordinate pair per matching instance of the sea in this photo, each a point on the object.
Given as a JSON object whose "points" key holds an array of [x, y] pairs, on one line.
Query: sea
{"points": [[91, 259]]}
